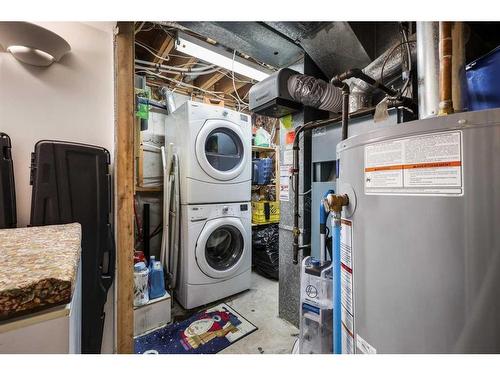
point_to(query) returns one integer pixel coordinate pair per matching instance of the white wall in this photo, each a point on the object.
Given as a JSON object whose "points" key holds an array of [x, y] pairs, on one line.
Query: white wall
{"points": [[72, 100]]}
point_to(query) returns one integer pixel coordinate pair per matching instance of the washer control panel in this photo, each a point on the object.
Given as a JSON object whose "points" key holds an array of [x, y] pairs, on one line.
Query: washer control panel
{"points": [[207, 212]]}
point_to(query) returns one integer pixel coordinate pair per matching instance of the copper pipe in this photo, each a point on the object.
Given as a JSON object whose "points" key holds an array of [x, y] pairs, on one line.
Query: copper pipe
{"points": [[445, 68]]}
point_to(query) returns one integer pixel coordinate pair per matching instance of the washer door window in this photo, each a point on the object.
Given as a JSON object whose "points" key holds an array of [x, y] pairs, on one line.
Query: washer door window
{"points": [[221, 150], [220, 247]]}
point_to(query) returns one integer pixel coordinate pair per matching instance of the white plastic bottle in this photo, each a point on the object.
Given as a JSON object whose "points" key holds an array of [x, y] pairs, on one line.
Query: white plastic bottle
{"points": [[141, 292]]}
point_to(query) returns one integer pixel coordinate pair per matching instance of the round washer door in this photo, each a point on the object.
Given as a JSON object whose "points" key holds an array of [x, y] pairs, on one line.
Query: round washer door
{"points": [[220, 247], [221, 149]]}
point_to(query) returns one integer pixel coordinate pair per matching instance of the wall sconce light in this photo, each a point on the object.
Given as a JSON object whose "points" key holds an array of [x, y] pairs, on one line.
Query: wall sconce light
{"points": [[32, 44]]}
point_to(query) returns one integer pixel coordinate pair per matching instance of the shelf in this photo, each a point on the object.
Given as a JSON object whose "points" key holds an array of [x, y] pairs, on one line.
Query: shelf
{"points": [[263, 149], [153, 189]]}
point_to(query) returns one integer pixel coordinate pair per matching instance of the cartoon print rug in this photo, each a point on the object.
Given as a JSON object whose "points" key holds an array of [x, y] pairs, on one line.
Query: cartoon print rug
{"points": [[206, 332]]}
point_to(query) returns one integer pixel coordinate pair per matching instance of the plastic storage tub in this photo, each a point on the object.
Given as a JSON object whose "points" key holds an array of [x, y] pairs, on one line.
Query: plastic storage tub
{"points": [[264, 212], [483, 77]]}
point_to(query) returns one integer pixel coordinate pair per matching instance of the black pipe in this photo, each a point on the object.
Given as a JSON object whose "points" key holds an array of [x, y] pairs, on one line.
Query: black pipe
{"points": [[345, 107], [152, 103], [295, 175], [358, 73], [145, 230], [295, 169]]}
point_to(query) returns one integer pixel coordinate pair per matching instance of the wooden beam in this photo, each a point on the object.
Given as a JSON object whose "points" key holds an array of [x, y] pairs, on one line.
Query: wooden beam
{"points": [[206, 81], [124, 184], [242, 92], [165, 48], [226, 86]]}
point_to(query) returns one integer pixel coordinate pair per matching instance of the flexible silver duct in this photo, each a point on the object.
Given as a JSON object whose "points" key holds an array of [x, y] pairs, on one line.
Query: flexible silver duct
{"points": [[315, 92], [361, 92]]}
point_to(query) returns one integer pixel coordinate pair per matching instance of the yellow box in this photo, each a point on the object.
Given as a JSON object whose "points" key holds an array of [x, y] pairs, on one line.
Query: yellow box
{"points": [[264, 212]]}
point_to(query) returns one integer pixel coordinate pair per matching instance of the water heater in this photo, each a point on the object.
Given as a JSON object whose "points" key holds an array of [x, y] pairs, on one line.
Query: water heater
{"points": [[420, 254]]}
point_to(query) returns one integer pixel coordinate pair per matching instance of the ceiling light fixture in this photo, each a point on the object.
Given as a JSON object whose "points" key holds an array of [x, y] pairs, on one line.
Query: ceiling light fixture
{"points": [[32, 44], [218, 56]]}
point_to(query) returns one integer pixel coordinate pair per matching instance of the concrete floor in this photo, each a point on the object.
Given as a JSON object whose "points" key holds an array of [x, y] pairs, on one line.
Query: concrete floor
{"points": [[260, 306]]}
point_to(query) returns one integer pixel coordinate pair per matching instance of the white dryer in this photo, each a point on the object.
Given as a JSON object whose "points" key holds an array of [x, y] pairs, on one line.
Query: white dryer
{"points": [[216, 254], [214, 147]]}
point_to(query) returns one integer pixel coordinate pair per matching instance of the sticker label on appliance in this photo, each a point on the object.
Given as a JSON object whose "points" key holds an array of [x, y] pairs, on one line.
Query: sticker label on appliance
{"points": [[428, 164], [346, 243], [347, 320], [284, 183], [363, 346], [346, 292], [347, 341]]}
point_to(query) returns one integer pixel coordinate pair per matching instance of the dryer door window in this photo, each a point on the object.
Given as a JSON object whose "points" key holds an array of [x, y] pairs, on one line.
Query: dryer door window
{"points": [[221, 249], [221, 149], [224, 248], [224, 149]]}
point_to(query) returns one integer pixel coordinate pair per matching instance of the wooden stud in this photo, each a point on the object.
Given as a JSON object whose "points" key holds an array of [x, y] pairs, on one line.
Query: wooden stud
{"points": [[124, 184]]}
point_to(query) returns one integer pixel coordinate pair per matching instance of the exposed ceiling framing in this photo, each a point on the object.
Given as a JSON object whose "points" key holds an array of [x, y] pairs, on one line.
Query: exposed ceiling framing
{"points": [[162, 42]]}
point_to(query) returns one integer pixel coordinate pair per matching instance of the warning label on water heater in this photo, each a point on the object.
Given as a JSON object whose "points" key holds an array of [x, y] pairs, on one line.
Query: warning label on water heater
{"points": [[428, 164], [346, 290]]}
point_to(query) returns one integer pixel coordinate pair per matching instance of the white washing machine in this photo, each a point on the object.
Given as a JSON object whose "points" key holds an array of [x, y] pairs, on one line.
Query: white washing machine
{"points": [[215, 254], [214, 146]]}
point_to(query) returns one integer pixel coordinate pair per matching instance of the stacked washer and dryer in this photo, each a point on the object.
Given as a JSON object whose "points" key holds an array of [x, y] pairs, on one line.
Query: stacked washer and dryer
{"points": [[212, 146]]}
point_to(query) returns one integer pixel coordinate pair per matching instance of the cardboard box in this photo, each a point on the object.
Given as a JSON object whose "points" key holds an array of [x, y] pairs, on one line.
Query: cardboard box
{"points": [[156, 313]]}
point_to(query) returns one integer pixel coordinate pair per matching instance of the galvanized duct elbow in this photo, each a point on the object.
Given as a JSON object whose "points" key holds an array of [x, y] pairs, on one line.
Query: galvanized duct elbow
{"points": [[361, 92], [315, 92]]}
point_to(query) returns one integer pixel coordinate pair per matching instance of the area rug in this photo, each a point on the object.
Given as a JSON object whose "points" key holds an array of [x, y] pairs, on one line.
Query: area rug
{"points": [[206, 332]]}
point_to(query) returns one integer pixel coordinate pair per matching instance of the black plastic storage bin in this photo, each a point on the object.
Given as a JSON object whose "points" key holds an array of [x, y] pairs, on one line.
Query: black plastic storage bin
{"points": [[71, 183]]}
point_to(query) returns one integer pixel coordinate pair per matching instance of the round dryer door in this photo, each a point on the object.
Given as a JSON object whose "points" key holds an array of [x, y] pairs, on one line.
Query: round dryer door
{"points": [[220, 247], [221, 149]]}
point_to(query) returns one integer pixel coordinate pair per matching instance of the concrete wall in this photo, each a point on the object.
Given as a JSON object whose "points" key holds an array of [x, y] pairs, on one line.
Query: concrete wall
{"points": [[72, 100]]}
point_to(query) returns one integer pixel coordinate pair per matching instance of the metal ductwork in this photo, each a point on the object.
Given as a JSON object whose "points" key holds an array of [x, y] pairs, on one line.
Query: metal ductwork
{"points": [[315, 93], [286, 91], [391, 62]]}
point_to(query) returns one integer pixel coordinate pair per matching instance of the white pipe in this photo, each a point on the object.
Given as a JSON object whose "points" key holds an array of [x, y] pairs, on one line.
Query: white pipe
{"points": [[176, 215], [322, 248]]}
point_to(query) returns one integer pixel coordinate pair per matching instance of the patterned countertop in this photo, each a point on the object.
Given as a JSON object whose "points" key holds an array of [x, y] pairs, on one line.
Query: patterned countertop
{"points": [[38, 267]]}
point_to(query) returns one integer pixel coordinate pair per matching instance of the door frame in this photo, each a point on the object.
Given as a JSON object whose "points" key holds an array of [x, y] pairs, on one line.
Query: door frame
{"points": [[124, 55]]}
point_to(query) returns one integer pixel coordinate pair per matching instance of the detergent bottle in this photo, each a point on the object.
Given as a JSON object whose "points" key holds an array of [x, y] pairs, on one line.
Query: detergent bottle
{"points": [[156, 279], [141, 276]]}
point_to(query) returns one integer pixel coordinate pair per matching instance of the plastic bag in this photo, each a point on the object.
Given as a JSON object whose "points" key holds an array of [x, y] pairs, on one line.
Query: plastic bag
{"points": [[262, 138], [265, 251]]}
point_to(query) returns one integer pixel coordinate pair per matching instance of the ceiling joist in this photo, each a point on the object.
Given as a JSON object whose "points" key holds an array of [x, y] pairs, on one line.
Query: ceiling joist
{"points": [[227, 87], [165, 49], [207, 81]]}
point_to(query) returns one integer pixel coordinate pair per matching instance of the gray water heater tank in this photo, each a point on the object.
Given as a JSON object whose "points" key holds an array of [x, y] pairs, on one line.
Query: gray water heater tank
{"points": [[421, 236]]}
